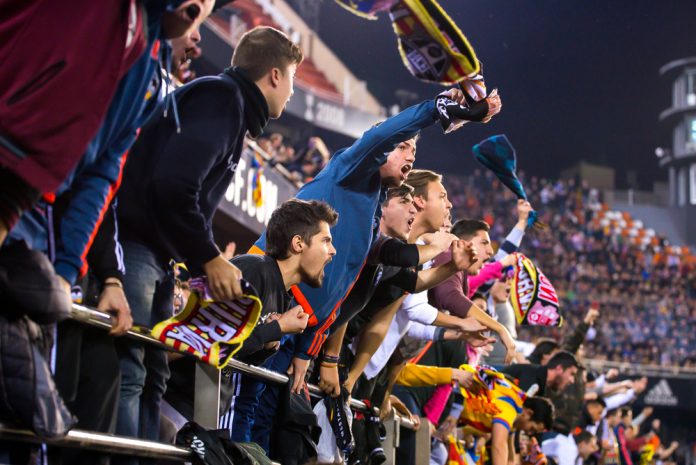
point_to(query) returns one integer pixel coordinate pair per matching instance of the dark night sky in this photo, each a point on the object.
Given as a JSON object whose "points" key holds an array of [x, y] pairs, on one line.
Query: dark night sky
{"points": [[578, 78]]}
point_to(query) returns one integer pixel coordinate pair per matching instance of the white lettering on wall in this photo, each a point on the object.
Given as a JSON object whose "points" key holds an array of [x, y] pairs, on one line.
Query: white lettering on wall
{"points": [[241, 193]]}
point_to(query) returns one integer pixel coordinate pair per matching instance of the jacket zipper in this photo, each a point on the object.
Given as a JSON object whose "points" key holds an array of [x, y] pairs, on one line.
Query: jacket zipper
{"points": [[35, 84]]}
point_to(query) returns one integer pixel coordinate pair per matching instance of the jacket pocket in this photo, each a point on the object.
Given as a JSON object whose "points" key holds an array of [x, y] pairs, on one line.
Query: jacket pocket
{"points": [[43, 78]]}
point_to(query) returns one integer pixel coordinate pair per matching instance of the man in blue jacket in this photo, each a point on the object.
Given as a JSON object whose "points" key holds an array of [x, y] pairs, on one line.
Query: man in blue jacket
{"points": [[354, 183]]}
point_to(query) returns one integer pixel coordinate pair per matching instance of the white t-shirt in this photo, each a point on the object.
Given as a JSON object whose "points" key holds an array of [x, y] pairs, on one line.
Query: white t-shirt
{"points": [[562, 448]]}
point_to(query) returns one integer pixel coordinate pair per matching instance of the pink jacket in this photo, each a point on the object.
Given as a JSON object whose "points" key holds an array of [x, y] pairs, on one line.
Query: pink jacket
{"points": [[490, 271]]}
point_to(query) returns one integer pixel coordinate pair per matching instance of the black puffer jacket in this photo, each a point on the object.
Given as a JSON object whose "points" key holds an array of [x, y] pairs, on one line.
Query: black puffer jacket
{"points": [[30, 292]]}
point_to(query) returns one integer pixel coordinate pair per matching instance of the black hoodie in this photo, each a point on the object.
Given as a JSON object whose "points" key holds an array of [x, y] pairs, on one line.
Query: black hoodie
{"points": [[175, 179]]}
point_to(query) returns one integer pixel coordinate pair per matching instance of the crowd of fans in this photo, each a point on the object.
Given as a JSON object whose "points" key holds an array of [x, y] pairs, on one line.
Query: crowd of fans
{"points": [[302, 164], [368, 283], [647, 293]]}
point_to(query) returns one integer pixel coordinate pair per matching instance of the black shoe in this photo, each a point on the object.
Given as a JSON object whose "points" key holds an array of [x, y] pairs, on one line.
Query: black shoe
{"points": [[377, 457]]}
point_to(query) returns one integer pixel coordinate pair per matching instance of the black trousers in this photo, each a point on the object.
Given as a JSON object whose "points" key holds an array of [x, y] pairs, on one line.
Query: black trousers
{"points": [[88, 379]]}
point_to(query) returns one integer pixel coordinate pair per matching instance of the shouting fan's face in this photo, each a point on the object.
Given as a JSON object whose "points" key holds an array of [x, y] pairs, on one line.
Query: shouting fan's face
{"points": [[398, 216], [316, 255], [399, 163]]}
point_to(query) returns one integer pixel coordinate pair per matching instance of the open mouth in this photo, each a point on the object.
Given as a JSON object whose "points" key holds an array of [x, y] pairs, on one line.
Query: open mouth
{"points": [[410, 222], [405, 170]]}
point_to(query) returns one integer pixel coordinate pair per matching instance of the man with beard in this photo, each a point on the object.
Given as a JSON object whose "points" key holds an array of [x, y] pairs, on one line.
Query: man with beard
{"points": [[354, 182], [299, 247], [558, 373]]}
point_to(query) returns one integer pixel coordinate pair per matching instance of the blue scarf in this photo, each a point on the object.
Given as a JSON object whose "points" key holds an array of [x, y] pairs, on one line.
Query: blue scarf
{"points": [[498, 155]]}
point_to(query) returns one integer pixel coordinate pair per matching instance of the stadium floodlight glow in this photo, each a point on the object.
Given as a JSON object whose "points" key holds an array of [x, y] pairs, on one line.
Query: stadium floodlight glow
{"points": [[691, 99]]}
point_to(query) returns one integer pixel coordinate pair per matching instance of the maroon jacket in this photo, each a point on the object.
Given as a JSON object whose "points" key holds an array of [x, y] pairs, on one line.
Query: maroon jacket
{"points": [[62, 62], [452, 293]]}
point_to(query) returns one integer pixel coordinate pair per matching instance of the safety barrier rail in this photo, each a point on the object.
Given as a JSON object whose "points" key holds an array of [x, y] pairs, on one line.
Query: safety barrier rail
{"points": [[100, 442], [206, 408]]}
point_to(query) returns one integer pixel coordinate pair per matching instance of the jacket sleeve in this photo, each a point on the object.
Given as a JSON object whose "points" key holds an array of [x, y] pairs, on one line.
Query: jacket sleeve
{"points": [[105, 258], [423, 332], [405, 279], [262, 334], [210, 126], [90, 195], [393, 252], [574, 341], [488, 272], [449, 295], [413, 375], [511, 244], [368, 153]]}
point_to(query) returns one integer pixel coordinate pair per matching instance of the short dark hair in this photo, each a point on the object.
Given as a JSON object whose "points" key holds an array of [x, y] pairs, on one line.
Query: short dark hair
{"points": [[583, 436], [563, 358], [400, 192], [612, 412], [467, 228], [626, 411], [599, 401], [478, 295], [292, 218], [419, 180], [543, 347], [542, 410], [264, 48]]}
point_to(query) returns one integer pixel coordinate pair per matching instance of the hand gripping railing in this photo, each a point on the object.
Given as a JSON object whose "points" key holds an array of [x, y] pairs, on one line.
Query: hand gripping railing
{"points": [[97, 318], [206, 408]]}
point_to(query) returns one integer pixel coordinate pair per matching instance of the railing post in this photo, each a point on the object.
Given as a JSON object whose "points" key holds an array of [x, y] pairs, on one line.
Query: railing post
{"points": [[423, 443], [392, 424], [206, 400]]}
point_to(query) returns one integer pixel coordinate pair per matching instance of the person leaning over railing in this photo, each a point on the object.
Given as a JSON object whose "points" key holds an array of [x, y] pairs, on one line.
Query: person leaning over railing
{"points": [[300, 246], [175, 178], [353, 183]]}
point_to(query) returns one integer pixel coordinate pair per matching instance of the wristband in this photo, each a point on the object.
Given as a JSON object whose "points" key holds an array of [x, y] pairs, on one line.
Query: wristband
{"points": [[113, 284]]}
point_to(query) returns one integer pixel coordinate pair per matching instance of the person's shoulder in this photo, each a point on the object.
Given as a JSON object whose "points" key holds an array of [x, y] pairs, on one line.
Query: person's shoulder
{"points": [[251, 261], [256, 269], [218, 89]]}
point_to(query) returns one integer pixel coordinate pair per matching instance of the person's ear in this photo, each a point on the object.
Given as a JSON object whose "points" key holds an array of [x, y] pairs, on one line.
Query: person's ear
{"points": [[297, 244], [419, 202], [276, 76]]}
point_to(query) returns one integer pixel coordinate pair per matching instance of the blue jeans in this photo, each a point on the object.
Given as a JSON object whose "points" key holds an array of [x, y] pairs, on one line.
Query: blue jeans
{"points": [[406, 451], [254, 414], [149, 288]]}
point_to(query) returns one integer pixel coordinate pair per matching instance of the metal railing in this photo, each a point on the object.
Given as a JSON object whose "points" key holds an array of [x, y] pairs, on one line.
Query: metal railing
{"points": [[103, 320], [637, 369], [206, 408], [100, 442]]}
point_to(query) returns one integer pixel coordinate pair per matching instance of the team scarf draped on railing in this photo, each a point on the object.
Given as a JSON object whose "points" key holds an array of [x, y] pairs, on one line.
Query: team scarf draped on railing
{"points": [[212, 331], [532, 295], [431, 45], [498, 155]]}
